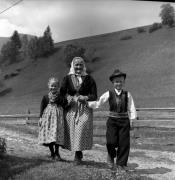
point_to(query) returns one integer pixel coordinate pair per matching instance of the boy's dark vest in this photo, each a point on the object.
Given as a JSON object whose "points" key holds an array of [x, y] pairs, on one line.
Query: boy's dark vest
{"points": [[118, 103]]}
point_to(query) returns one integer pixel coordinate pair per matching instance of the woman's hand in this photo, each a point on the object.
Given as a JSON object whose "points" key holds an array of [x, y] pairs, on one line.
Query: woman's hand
{"points": [[82, 99], [131, 124]]}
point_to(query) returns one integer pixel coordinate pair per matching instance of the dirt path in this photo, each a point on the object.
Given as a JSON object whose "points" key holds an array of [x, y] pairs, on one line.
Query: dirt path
{"points": [[153, 164]]}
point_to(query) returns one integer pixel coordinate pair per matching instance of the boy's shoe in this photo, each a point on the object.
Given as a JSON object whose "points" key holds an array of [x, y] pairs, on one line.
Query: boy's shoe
{"points": [[110, 162], [121, 169]]}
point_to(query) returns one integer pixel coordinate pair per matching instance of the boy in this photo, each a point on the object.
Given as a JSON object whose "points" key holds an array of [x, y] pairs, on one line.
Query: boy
{"points": [[122, 113]]}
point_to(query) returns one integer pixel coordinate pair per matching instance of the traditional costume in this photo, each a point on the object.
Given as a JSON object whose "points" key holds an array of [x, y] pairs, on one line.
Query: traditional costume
{"points": [[122, 111], [78, 116], [51, 121]]}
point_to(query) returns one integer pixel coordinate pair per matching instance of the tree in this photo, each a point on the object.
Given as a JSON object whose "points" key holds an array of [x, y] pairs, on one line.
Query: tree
{"points": [[167, 14], [15, 46], [24, 47], [33, 48], [16, 39], [10, 52], [6, 52], [47, 42]]}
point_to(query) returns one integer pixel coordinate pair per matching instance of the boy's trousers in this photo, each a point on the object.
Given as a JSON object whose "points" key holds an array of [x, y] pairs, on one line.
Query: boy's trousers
{"points": [[118, 136]]}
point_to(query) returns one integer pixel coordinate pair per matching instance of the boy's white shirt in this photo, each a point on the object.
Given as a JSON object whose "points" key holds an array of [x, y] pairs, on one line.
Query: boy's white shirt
{"points": [[104, 98]]}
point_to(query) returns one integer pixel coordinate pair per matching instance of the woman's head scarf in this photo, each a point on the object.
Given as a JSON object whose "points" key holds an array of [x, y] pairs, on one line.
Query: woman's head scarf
{"points": [[72, 69]]}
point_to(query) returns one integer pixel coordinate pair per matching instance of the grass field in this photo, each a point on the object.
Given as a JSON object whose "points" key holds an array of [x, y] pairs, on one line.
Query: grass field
{"points": [[27, 165], [24, 161], [32, 165], [147, 58]]}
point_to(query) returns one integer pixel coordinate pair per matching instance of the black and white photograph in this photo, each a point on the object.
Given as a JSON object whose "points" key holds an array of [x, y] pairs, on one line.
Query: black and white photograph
{"points": [[87, 90]]}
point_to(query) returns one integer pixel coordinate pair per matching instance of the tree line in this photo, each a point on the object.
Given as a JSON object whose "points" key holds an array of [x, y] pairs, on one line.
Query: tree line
{"points": [[167, 14], [20, 47]]}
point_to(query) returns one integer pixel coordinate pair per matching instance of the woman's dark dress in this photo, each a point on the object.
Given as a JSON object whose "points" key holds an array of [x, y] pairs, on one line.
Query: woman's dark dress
{"points": [[78, 116]]}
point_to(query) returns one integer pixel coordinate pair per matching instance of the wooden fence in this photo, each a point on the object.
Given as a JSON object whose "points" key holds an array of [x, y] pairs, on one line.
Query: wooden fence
{"points": [[147, 117]]}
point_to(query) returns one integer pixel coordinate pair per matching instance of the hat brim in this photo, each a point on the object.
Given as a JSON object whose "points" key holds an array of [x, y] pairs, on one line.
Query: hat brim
{"points": [[120, 75]]}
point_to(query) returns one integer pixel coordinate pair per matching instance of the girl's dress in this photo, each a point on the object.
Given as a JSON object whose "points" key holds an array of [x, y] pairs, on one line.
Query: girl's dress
{"points": [[51, 123], [78, 116]]}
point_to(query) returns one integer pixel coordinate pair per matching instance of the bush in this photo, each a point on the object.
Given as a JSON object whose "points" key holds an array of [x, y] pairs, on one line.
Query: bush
{"points": [[5, 91], [72, 51], [95, 59], [89, 70], [155, 27], [8, 76], [126, 37], [2, 146], [141, 30]]}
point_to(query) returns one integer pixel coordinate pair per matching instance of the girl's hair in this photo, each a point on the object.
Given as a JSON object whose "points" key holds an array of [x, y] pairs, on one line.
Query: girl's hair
{"points": [[53, 79]]}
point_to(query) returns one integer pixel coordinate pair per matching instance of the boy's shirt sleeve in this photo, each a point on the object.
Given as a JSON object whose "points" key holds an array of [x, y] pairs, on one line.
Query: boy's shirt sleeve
{"points": [[96, 104], [131, 107]]}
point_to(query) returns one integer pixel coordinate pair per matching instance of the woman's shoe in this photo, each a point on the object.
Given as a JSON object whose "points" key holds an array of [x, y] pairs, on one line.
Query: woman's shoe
{"points": [[77, 161], [78, 157], [121, 169]]}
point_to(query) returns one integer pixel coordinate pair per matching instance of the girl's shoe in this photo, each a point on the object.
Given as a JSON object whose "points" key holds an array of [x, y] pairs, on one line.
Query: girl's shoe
{"points": [[121, 169], [52, 156], [58, 157]]}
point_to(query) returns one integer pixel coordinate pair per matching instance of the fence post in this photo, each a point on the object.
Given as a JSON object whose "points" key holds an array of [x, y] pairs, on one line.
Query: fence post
{"points": [[27, 118]]}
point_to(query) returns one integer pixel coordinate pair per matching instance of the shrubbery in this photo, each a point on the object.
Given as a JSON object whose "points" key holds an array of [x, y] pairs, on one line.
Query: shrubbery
{"points": [[2, 146], [21, 47], [126, 37], [42, 46], [89, 56], [141, 30], [155, 27], [72, 51]]}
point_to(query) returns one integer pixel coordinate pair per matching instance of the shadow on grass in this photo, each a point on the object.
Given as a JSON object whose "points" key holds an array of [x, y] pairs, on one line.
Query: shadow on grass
{"points": [[132, 172], [99, 165], [157, 170], [12, 165]]}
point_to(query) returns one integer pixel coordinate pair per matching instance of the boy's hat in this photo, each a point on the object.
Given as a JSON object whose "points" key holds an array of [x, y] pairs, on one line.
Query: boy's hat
{"points": [[117, 73]]}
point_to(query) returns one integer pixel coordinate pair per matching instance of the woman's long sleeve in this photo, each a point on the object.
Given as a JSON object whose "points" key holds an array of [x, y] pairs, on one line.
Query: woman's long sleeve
{"points": [[92, 96], [62, 101]]}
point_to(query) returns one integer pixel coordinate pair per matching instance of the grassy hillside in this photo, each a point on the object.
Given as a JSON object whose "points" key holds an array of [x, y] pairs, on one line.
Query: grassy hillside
{"points": [[147, 58]]}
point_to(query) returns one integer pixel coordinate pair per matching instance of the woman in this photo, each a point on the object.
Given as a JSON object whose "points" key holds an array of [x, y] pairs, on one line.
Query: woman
{"points": [[78, 87]]}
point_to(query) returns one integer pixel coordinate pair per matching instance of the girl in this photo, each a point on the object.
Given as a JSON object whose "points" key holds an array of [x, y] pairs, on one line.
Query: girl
{"points": [[51, 123]]}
